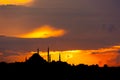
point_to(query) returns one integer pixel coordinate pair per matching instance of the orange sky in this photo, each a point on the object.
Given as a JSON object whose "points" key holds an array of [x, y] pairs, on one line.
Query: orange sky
{"points": [[15, 2], [101, 56], [45, 31], [87, 25]]}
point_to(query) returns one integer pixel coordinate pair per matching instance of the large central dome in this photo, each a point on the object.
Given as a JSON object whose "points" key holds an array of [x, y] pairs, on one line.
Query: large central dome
{"points": [[36, 59]]}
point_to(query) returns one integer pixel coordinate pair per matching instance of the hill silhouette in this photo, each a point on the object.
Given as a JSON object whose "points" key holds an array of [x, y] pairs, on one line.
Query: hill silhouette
{"points": [[36, 68]]}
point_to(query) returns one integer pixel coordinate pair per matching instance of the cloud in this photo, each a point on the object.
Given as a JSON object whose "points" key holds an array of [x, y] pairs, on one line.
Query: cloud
{"points": [[107, 56], [58, 3], [91, 25], [45, 31], [15, 2], [86, 4], [102, 56], [14, 55], [86, 29]]}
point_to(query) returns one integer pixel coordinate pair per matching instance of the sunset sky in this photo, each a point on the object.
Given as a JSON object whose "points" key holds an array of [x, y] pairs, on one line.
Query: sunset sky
{"points": [[82, 31]]}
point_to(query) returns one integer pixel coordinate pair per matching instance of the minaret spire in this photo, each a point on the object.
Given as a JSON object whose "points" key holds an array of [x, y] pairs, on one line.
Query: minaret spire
{"points": [[59, 57], [49, 56], [38, 51], [25, 59]]}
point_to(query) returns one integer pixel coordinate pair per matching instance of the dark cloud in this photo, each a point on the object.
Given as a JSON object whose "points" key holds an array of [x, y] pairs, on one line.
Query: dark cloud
{"points": [[115, 61], [86, 4], [90, 24], [63, 43], [58, 3]]}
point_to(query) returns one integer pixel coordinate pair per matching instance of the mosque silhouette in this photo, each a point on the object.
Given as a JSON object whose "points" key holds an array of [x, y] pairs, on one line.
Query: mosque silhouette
{"points": [[37, 59], [36, 68]]}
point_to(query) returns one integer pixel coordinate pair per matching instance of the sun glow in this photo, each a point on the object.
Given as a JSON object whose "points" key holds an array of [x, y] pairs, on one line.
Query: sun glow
{"points": [[100, 56], [109, 56], [15, 2], [44, 32]]}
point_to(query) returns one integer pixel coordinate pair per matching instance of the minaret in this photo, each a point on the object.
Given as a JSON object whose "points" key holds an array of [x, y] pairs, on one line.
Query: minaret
{"points": [[59, 57], [48, 56], [38, 51], [25, 59]]}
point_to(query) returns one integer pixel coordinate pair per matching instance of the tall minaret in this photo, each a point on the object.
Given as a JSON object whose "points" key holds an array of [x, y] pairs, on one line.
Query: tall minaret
{"points": [[48, 56], [26, 59], [38, 51], [59, 57]]}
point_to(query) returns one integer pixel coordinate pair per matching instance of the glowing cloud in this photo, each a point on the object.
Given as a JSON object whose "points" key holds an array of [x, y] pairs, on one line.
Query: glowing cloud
{"points": [[44, 32], [15, 2], [102, 56], [109, 56]]}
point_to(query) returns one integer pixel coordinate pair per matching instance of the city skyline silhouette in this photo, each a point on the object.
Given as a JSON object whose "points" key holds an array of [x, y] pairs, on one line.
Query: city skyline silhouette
{"points": [[37, 68], [60, 39]]}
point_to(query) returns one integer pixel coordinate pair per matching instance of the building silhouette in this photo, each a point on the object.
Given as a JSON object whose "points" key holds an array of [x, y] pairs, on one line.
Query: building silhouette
{"points": [[59, 57], [38, 51], [56, 70], [36, 58], [48, 56]]}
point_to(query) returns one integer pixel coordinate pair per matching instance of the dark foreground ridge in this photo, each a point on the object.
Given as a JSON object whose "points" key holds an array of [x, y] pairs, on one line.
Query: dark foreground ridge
{"points": [[36, 68]]}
